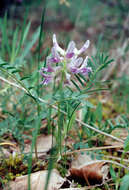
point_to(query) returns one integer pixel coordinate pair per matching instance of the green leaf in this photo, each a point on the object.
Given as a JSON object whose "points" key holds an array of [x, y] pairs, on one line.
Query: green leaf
{"points": [[76, 85], [126, 144], [25, 77], [31, 87], [79, 80], [24, 34], [89, 104], [14, 45], [5, 40], [10, 68], [125, 183], [3, 64], [98, 112], [79, 97], [16, 71], [113, 174], [30, 44]]}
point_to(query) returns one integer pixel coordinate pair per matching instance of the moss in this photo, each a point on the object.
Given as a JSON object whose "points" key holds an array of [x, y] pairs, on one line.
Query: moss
{"points": [[9, 167], [63, 166], [10, 176]]}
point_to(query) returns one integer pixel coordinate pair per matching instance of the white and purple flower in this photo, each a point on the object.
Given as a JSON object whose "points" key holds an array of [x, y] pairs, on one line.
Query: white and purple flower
{"points": [[67, 62]]}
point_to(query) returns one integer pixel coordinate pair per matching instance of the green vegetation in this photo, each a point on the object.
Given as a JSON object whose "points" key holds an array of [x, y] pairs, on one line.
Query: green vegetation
{"points": [[80, 115]]}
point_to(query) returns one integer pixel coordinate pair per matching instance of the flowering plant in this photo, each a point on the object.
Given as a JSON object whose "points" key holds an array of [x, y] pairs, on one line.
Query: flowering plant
{"points": [[65, 62]]}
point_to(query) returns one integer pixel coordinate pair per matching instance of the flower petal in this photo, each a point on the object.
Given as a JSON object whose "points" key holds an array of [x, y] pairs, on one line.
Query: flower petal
{"points": [[48, 69], [56, 45], [55, 56], [68, 76], [84, 62], [85, 70], [47, 78], [78, 61], [74, 70], [84, 47], [70, 50], [74, 65], [67, 81]]}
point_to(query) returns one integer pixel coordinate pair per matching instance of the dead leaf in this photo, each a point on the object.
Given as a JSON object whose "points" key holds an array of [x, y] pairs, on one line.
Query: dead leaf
{"points": [[38, 181], [120, 133], [93, 171], [44, 144]]}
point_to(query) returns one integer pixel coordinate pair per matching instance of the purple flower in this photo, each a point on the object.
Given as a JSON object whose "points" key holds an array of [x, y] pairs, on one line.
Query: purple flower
{"points": [[83, 49], [54, 57], [75, 64], [67, 62], [70, 50], [47, 78], [57, 47], [48, 69], [79, 66]]}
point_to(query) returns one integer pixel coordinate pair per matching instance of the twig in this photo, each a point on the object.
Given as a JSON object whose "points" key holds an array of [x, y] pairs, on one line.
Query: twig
{"points": [[7, 144], [77, 120], [94, 148], [87, 149], [115, 158], [13, 84], [114, 162]]}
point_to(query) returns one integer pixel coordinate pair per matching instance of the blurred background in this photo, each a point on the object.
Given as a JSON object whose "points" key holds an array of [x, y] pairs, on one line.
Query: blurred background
{"points": [[106, 20]]}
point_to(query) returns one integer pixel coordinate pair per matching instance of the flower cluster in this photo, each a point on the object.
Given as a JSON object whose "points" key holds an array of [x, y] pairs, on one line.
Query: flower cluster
{"points": [[67, 62]]}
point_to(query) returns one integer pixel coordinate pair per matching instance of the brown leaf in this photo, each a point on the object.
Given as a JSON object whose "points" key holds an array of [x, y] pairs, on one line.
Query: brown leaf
{"points": [[122, 133], [93, 171]]}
